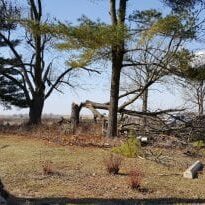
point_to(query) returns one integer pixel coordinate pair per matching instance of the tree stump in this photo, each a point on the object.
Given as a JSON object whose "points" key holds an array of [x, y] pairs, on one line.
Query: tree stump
{"points": [[75, 116]]}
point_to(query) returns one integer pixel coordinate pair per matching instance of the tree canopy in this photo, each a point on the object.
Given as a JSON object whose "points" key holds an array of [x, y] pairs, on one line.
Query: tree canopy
{"points": [[10, 93]]}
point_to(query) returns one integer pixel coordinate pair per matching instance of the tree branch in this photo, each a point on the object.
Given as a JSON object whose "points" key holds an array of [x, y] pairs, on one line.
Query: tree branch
{"points": [[57, 81], [137, 96], [20, 61], [113, 11]]}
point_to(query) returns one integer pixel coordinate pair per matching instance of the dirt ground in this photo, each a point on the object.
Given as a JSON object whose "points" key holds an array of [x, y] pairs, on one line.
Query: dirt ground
{"points": [[80, 177]]}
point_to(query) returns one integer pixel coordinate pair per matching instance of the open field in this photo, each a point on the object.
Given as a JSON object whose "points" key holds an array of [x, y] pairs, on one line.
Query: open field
{"points": [[79, 175]]}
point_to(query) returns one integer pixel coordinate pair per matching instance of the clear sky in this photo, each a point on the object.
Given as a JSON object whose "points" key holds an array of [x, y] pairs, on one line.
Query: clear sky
{"points": [[70, 10]]}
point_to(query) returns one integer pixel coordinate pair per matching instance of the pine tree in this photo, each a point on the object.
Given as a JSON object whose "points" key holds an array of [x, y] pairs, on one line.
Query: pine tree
{"points": [[10, 93]]}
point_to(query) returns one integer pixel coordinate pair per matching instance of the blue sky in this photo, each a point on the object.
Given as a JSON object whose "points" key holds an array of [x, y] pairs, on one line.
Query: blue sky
{"points": [[71, 10]]}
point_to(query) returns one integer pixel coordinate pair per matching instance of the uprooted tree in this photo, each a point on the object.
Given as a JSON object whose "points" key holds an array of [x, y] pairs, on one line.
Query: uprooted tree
{"points": [[94, 107]]}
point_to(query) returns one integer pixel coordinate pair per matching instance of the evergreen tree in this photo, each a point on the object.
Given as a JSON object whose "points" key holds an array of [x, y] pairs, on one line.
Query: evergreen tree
{"points": [[10, 93]]}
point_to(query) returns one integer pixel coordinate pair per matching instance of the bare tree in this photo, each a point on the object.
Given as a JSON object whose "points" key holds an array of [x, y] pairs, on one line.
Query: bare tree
{"points": [[150, 66], [193, 85], [194, 93]]}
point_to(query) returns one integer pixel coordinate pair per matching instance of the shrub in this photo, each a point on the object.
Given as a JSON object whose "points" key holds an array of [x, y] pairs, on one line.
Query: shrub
{"points": [[135, 178], [131, 148], [47, 168], [113, 163], [199, 144]]}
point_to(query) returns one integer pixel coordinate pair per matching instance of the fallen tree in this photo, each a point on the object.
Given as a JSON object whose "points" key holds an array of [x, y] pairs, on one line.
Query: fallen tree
{"points": [[94, 106]]}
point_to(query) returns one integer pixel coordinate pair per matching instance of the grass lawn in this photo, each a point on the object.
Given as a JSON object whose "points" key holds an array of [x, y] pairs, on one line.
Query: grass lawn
{"points": [[80, 175]]}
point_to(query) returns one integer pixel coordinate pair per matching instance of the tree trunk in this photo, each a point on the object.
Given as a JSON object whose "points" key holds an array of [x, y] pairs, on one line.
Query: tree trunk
{"points": [[75, 116], [201, 106], [37, 103], [36, 108], [117, 19], [113, 108], [200, 94], [145, 105]]}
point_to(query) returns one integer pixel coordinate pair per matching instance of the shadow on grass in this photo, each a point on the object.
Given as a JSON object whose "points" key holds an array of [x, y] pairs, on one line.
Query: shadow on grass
{"points": [[67, 201]]}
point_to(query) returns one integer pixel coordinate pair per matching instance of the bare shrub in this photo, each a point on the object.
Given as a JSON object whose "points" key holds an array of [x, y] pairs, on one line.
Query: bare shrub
{"points": [[47, 168], [89, 128], [113, 163], [135, 178]]}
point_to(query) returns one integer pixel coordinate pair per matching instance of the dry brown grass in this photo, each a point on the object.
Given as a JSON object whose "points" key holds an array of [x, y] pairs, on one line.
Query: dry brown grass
{"points": [[82, 173]]}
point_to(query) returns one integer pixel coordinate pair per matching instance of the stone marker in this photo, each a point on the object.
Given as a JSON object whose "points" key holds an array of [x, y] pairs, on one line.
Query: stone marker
{"points": [[191, 172]]}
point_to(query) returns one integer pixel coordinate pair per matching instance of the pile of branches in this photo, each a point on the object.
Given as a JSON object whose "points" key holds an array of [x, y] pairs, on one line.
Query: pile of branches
{"points": [[193, 130], [156, 124]]}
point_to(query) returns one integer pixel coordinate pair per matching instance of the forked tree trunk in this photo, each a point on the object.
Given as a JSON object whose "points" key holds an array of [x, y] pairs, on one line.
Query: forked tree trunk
{"points": [[36, 108]]}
